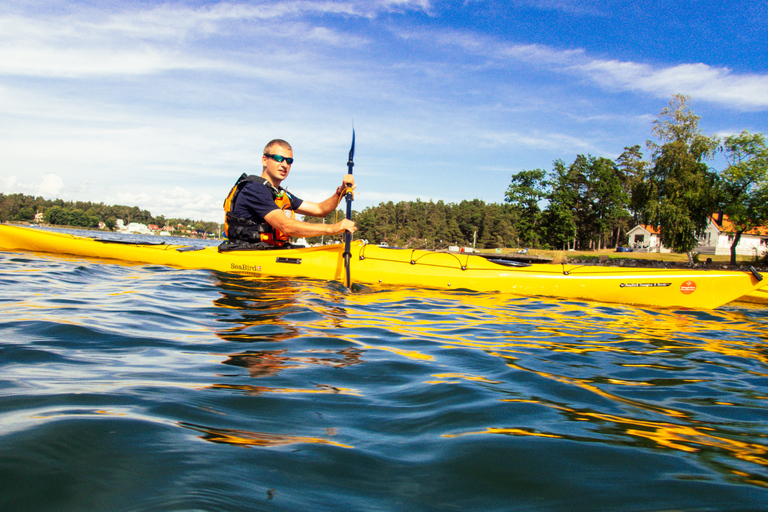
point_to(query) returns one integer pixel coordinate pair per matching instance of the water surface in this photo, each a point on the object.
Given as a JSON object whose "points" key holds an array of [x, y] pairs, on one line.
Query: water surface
{"points": [[145, 388]]}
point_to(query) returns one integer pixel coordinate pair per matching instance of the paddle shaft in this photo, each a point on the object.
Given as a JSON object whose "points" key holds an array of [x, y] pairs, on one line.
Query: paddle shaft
{"points": [[349, 196]]}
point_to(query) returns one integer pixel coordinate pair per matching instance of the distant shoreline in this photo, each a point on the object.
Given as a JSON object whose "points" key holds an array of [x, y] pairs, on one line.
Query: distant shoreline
{"points": [[99, 230]]}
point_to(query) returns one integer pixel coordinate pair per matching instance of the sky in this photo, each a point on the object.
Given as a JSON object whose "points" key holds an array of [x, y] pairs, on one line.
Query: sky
{"points": [[162, 105]]}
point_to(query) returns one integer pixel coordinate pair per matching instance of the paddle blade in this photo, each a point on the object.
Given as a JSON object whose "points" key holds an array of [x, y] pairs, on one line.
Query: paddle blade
{"points": [[351, 161]]}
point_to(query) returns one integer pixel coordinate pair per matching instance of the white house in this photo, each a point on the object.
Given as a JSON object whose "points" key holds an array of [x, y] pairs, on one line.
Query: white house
{"points": [[717, 239], [138, 228], [133, 227], [720, 233], [646, 238]]}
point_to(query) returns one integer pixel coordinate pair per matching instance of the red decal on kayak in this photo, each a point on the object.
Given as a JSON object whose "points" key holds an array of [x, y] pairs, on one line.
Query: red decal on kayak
{"points": [[688, 287]]}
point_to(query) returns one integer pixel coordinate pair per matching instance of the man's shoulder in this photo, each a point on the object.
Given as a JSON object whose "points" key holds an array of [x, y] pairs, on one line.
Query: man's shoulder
{"points": [[258, 186], [252, 179], [254, 194]]}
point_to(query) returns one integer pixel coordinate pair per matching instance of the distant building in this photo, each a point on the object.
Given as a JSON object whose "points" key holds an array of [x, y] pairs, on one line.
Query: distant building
{"points": [[717, 239], [646, 238], [138, 228], [133, 227], [720, 233]]}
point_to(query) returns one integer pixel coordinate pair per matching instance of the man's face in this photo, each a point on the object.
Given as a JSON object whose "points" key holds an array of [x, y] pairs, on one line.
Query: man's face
{"points": [[276, 171]]}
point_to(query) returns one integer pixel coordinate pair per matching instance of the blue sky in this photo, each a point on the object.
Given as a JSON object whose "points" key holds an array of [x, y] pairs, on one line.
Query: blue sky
{"points": [[164, 104]]}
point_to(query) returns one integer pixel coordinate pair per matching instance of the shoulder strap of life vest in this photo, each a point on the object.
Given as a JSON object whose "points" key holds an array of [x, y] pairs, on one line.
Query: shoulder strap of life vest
{"points": [[243, 180]]}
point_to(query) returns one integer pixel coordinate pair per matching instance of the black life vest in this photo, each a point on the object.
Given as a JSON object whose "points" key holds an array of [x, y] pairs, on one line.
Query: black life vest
{"points": [[238, 229]]}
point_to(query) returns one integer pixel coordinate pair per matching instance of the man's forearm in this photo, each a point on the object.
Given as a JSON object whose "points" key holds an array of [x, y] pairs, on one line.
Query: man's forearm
{"points": [[301, 229], [329, 205], [297, 228]]}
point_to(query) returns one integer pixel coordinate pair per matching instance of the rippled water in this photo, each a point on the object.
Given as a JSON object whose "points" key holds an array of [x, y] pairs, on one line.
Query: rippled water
{"points": [[143, 388]]}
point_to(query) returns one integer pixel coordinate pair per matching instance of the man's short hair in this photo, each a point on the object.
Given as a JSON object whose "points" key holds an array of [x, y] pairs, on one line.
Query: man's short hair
{"points": [[277, 142]]}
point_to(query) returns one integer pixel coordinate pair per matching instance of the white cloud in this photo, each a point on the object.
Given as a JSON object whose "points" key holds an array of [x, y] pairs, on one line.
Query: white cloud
{"points": [[87, 44], [93, 61], [718, 85], [543, 140], [176, 202], [10, 185], [50, 186], [703, 82], [168, 38]]}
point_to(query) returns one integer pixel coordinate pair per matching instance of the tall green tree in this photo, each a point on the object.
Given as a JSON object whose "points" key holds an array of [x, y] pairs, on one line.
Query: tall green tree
{"points": [[577, 179], [26, 213], [527, 189], [680, 191], [744, 184], [559, 218], [559, 227], [592, 192], [609, 200], [634, 170]]}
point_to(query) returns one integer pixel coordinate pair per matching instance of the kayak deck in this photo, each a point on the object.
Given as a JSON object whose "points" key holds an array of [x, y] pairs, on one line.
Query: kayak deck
{"points": [[375, 265]]}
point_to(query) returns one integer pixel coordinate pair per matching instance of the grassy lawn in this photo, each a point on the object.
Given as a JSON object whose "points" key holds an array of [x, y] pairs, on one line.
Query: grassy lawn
{"points": [[613, 256]]}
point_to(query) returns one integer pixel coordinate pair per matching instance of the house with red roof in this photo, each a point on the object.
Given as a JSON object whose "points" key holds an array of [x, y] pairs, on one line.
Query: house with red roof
{"points": [[646, 238], [721, 232], [717, 239]]}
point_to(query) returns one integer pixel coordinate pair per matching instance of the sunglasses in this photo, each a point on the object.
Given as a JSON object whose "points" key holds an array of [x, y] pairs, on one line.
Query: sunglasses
{"points": [[279, 158]]}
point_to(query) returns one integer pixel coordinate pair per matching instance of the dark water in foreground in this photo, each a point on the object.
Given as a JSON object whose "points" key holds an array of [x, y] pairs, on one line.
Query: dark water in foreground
{"points": [[141, 388]]}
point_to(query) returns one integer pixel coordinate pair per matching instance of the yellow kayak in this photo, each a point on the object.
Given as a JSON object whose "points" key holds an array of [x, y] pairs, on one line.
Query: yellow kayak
{"points": [[373, 265], [759, 296]]}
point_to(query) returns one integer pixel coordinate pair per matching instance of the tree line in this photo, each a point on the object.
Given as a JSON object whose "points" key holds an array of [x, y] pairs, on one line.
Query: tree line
{"points": [[590, 203], [430, 225], [57, 212]]}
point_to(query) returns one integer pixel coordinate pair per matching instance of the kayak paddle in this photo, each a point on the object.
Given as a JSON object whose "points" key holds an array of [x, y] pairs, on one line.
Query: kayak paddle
{"points": [[350, 197]]}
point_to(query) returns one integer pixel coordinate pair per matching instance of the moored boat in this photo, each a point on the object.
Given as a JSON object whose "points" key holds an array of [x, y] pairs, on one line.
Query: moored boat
{"points": [[373, 265]]}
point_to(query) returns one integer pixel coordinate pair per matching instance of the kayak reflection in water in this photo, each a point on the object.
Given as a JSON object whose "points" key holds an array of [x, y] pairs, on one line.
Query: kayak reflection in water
{"points": [[266, 363]]}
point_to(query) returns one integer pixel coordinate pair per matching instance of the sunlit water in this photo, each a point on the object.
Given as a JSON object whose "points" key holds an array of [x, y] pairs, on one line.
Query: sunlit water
{"points": [[144, 388]]}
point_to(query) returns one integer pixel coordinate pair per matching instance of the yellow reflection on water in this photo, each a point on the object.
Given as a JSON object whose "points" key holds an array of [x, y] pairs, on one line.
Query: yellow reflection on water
{"points": [[509, 325], [520, 331], [668, 435], [268, 303], [260, 439], [408, 354], [588, 385], [524, 331], [261, 390], [453, 378], [507, 431], [679, 437]]}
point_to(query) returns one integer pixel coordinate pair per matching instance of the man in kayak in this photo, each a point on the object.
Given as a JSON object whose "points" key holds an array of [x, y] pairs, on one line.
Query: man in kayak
{"points": [[261, 214]]}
